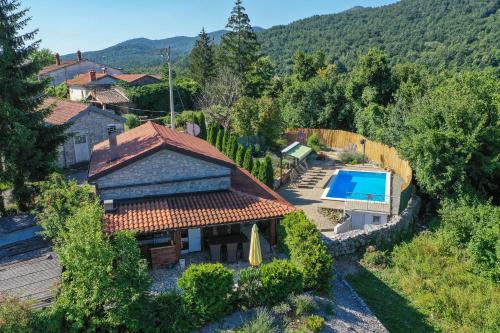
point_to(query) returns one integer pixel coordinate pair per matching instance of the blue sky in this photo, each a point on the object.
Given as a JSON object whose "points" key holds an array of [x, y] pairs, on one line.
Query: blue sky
{"points": [[68, 25]]}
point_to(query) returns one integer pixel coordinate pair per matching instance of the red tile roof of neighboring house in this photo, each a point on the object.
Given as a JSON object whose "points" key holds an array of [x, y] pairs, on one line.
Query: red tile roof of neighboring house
{"points": [[133, 77], [146, 139], [55, 67], [192, 210], [62, 110], [109, 96], [84, 79]]}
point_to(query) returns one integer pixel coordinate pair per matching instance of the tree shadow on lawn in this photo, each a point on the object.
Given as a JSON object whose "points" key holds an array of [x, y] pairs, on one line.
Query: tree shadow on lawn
{"points": [[393, 310]]}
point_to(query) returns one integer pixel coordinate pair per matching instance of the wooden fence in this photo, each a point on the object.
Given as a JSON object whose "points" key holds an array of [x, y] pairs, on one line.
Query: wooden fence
{"points": [[377, 152]]}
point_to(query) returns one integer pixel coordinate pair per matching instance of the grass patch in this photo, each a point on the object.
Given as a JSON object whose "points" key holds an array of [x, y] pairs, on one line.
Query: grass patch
{"points": [[429, 285], [392, 309]]}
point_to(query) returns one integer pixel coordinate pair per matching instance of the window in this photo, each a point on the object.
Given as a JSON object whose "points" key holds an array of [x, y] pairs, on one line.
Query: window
{"points": [[376, 220], [79, 138], [111, 128]]}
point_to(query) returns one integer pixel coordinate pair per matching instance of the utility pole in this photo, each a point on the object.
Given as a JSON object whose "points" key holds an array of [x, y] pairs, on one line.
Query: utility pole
{"points": [[171, 90]]}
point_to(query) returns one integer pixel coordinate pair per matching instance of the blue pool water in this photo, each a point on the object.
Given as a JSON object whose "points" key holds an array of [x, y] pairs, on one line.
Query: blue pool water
{"points": [[358, 185]]}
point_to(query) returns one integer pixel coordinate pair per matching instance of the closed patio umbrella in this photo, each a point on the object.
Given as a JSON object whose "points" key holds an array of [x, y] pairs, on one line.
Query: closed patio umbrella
{"points": [[255, 255]]}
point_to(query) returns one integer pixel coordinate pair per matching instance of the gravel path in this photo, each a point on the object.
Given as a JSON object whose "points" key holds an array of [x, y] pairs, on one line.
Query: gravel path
{"points": [[351, 313]]}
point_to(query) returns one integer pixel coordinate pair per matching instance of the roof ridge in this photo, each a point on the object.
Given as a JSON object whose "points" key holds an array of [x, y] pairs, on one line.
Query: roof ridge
{"points": [[261, 198]]}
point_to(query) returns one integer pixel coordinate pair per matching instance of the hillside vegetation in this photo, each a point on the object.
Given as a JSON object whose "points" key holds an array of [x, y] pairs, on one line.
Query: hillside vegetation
{"points": [[437, 33]]}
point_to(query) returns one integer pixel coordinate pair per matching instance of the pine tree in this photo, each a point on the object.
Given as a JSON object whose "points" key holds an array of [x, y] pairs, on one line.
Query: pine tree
{"points": [[266, 172], [239, 47], [248, 160], [28, 147], [240, 155], [218, 141], [202, 59]]}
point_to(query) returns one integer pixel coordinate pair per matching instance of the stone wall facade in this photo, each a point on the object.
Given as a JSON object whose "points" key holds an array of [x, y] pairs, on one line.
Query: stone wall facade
{"points": [[352, 241], [95, 126], [164, 172]]}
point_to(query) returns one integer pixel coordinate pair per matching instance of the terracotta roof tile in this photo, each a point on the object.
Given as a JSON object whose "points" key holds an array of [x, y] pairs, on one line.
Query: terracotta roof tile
{"points": [[133, 77], [192, 210], [84, 79], [62, 110], [147, 138], [110, 96]]}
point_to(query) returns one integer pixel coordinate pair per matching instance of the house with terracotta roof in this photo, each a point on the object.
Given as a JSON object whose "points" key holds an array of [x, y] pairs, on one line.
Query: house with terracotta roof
{"points": [[86, 85], [88, 125], [180, 194], [62, 71]]}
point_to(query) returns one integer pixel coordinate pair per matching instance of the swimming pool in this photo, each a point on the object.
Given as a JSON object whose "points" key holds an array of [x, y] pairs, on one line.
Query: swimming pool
{"points": [[358, 185]]}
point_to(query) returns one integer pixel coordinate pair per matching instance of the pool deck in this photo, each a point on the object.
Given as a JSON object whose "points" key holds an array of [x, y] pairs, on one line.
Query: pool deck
{"points": [[308, 196]]}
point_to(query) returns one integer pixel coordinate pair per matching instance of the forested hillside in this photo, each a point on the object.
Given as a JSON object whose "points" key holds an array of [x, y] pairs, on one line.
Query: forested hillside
{"points": [[438, 33], [143, 53]]}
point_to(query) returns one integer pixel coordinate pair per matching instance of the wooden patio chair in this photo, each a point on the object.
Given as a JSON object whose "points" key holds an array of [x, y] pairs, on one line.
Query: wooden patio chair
{"points": [[215, 252], [231, 252]]}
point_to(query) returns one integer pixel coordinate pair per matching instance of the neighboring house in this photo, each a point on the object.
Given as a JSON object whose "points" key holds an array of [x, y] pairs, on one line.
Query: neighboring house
{"points": [[89, 125], [62, 71], [178, 192], [84, 85]]}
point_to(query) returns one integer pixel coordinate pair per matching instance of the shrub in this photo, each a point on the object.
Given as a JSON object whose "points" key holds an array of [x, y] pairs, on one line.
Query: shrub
{"points": [[303, 304], [177, 320], [301, 240], [315, 323], [15, 315], [249, 287], [263, 322], [348, 157], [376, 258], [313, 142], [280, 278], [207, 290], [282, 309], [132, 121]]}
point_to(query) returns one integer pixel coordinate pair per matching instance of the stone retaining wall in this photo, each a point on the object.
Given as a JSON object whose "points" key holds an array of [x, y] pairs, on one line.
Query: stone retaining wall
{"points": [[351, 241]]}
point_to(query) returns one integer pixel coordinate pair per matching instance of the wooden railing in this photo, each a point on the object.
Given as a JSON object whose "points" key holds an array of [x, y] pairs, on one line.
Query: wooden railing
{"points": [[377, 152]]}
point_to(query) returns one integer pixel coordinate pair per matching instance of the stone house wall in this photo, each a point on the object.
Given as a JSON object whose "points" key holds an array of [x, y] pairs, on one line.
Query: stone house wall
{"points": [[164, 172], [95, 126], [352, 241]]}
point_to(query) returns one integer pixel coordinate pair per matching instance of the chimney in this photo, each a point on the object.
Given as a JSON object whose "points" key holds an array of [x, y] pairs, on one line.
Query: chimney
{"points": [[109, 206], [58, 59], [92, 75], [79, 55], [113, 145]]}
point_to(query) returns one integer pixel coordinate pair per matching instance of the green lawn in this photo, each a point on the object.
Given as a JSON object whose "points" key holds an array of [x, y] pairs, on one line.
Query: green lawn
{"points": [[393, 310]]}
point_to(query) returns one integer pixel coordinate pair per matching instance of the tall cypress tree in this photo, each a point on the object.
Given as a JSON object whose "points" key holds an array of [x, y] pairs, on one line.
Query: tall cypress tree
{"points": [[234, 148], [256, 168], [239, 46], [202, 59], [200, 120], [225, 141], [248, 160], [240, 155], [266, 172], [218, 141], [28, 147]]}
